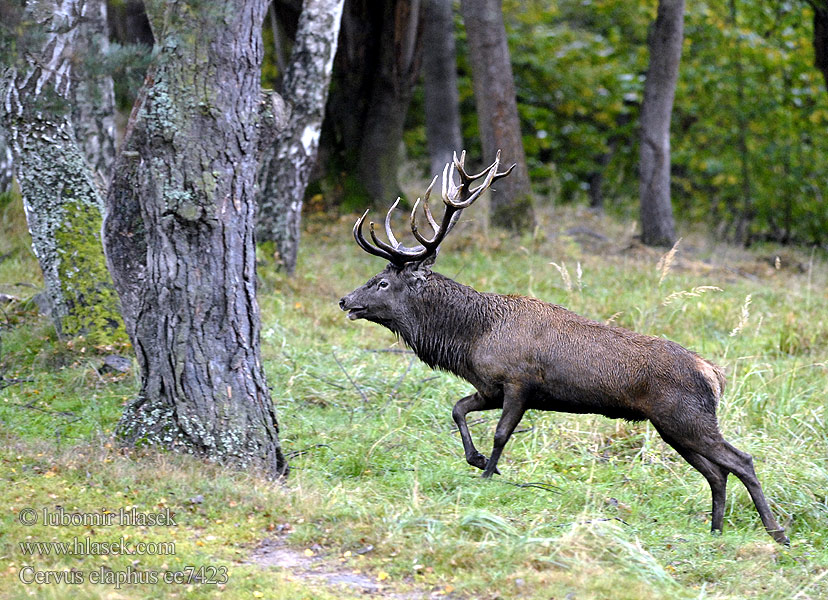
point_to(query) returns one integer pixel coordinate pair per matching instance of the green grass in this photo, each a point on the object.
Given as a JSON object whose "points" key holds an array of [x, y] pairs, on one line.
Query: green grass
{"points": [[586, 506]]}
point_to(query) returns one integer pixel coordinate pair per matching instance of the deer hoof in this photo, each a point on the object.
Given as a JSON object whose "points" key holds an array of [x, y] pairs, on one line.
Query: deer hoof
{"points": [[487, 473], [779, 536]]}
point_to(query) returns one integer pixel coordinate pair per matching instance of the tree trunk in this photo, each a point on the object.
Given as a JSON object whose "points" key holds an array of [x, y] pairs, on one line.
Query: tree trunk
{"points": [[6, 165], [128, 22], [442, 100], [400, 55], [93, 96], [497, 115], [286, 166], [665, 40], [62, 202], [376, 67], [355, 63], [179, 238], [820, 8]]}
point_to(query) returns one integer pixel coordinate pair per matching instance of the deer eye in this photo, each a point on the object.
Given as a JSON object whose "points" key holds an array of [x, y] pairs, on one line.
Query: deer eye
{"points": [[383, 284]]}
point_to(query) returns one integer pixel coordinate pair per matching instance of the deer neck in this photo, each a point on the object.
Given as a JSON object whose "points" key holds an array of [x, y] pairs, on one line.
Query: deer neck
{"points": [[448, 317]]}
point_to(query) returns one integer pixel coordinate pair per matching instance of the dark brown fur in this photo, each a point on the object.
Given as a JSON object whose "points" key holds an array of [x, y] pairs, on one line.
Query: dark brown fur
{"points": [[521, 353]]}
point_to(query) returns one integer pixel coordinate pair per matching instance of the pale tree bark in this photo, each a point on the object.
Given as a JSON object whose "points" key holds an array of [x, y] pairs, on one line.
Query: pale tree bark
{"points": [[287, 165], [180, 243], [497, 115], [442, 100], [6, 165], [665, 40], [93, 95], [62, 202]]}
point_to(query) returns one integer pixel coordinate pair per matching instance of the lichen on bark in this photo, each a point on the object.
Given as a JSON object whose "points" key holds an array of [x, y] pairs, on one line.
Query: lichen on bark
{"points": [[287, 164], [179, 238], [62, 202]]}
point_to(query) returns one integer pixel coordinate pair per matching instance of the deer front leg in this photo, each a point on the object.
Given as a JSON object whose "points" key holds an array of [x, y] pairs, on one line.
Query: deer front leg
{"points": [[514, 405], [464, 406]]}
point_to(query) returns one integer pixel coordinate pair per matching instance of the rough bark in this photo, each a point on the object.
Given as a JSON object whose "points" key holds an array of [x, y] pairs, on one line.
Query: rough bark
{"points": [[442, 100], [497, 115], [287, 165], [93, 95], [180, 243], [665, 40], [62, 202]]}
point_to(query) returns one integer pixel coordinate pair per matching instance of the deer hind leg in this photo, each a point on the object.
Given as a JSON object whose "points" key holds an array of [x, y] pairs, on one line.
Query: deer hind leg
{"points": [[708, 442], [464, 406], [741, 464], [715, 475]]}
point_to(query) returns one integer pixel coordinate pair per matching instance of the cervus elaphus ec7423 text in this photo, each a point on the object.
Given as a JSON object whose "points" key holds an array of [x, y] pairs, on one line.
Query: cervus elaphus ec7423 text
{"points": [[521, 353]]}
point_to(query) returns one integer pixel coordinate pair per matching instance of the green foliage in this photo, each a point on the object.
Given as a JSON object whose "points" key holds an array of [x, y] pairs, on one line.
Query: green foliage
{"points": [[746, 74], [747, 67], [19, 271], [578, 77]]}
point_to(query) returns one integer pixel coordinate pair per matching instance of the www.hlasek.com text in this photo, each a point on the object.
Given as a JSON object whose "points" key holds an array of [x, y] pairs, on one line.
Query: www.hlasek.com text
{"points": [[89, 547]]}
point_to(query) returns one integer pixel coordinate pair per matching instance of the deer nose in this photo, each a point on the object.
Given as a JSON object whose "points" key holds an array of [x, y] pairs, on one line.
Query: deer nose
{"points": [[342, 303]]}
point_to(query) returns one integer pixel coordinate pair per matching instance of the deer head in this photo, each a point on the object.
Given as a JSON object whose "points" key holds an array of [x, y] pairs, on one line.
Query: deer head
{"points": [[384, 298]]}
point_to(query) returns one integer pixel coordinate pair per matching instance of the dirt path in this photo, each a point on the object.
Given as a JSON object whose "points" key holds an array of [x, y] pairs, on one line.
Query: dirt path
{"points": [[321, 570]]}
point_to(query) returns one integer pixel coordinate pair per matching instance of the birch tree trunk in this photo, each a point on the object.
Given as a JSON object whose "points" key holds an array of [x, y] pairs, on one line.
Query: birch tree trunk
{"points": [[442, 100], [93, 95], [180, 243], [665, 40], [497, 116], [286, 166], [6, 164], [62, 202]]}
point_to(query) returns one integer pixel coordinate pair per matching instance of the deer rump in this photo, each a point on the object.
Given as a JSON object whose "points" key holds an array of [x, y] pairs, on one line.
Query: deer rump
{"points": [[521, 353]]}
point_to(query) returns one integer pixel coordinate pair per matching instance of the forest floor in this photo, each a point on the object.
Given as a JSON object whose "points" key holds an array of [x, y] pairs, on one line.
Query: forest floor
{"points": [[379, 501]]}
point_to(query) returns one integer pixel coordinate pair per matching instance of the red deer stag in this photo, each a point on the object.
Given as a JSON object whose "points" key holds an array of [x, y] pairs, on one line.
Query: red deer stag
{"points": [[521, 353]]}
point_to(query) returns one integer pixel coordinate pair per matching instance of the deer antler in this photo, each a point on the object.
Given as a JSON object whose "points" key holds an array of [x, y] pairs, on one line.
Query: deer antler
{"points": [[455, 197]]}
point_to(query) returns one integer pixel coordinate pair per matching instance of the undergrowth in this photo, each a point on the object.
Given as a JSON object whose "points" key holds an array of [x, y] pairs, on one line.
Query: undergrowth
{"points": [[586, 507]]}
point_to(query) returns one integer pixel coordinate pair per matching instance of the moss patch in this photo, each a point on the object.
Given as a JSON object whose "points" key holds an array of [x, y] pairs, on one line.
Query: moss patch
{"points": [[86, 285]]}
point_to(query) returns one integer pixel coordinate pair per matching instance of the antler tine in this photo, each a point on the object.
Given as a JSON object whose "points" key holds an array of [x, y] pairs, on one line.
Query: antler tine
{"points": [[399, 253], [461, 168], [363, 243], [447, 183], [388, 231], [427, 211], [455, 197], [464, 195]]}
